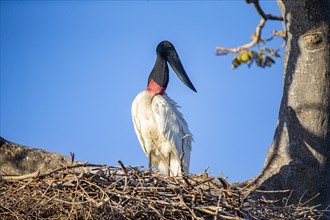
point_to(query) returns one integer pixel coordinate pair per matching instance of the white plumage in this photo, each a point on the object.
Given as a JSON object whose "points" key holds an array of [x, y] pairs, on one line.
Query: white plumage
{"points": [[162, 132], [161, 129]]}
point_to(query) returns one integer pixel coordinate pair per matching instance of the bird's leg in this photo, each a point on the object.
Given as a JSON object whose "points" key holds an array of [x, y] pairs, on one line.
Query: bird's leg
{"points": [[169, 164], [149, 160]]}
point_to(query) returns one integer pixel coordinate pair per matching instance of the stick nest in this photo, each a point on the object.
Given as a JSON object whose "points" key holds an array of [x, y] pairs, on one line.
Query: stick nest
{"points": [[109, 192]]}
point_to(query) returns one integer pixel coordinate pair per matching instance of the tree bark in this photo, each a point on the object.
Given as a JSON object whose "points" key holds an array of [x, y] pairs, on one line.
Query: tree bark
{"points": [[298, 158]]}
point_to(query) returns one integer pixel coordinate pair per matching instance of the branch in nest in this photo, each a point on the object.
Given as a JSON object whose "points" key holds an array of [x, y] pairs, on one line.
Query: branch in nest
{"points": [[22, 177], [106, 193], [123, 168]]}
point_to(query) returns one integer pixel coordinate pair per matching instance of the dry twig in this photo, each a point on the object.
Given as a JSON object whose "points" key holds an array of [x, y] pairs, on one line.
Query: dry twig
{"points": [[109, 192]]}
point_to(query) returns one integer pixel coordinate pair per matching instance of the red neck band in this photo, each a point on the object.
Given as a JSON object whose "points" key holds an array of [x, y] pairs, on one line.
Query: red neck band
{"points": [[154, 87]]}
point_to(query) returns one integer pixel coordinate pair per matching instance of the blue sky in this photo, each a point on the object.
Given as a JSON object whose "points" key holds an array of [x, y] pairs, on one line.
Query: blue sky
{"points": [[71, 69]]}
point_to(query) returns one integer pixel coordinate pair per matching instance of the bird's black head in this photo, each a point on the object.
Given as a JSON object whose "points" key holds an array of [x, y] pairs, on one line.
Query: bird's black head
{"points": [[164, 48], [158, 78]]}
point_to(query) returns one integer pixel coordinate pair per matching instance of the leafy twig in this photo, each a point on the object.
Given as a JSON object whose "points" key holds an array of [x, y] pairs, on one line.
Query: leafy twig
{"points": [[245, 55]]}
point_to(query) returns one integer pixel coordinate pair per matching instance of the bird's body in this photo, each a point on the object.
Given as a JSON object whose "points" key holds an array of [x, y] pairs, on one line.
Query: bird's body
{"points": [[161, 129]]}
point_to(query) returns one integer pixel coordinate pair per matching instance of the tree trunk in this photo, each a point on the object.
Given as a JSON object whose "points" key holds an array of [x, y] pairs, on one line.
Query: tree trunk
{"points": [[298, 158]]}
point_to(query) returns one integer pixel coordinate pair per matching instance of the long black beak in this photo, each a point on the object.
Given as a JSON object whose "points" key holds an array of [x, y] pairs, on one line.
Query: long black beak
{"points": [[175, 62]]}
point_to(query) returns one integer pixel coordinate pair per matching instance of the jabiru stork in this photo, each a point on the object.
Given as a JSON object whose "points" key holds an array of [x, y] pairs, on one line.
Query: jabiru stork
{"points": [[160, 127]]}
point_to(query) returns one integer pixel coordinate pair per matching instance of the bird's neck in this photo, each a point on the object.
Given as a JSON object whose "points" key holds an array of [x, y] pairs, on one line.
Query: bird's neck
{"points": [[158, 78], [154, 87]]}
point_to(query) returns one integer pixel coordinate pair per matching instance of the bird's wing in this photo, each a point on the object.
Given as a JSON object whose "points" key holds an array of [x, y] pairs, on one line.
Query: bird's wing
{"points": [[172, 126], [137, 122]]}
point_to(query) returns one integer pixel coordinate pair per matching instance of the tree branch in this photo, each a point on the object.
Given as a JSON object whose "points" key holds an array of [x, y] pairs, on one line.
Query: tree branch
{"points": [[256, 37], [262, 13]]}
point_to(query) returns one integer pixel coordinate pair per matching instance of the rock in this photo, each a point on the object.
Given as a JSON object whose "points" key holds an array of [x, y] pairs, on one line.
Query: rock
{"points": [[16, 159]]}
